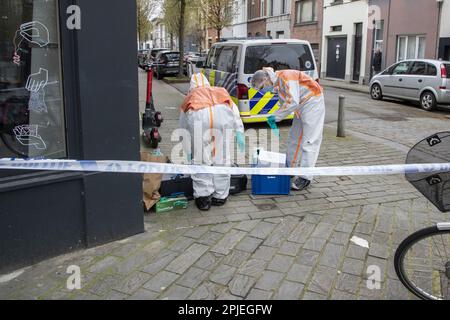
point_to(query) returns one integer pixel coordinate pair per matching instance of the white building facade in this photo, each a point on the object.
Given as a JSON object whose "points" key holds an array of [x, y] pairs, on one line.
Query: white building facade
{"points": [[239, 27], [444, 33], [161, 38], [278, 23], [344, 40]]}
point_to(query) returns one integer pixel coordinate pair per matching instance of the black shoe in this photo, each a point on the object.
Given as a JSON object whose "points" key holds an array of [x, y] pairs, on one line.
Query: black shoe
{"points": [[203, 203], [218, 202], [300, 184]]}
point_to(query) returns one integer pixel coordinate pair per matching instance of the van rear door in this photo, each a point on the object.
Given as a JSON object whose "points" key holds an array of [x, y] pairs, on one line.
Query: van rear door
{"points": [[280, 56]]}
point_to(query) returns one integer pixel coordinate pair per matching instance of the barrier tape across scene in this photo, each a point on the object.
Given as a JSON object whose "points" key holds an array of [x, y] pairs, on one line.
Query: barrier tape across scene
{"points": [[168, 168]]}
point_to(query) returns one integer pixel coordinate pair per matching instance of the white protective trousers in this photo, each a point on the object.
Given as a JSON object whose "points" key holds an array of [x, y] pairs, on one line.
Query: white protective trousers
{"points": [[212, 135], [305, 136]]}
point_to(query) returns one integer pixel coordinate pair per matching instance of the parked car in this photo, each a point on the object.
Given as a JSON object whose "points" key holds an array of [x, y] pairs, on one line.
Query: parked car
{"points": [[421, 80], [232, 63], [154, 52], [142, 57], [166, 63], [191, 62]]}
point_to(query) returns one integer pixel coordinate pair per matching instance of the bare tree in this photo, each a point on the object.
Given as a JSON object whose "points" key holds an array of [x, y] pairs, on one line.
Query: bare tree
{"points": [[178, 16], [219, 14], [145, 8]]}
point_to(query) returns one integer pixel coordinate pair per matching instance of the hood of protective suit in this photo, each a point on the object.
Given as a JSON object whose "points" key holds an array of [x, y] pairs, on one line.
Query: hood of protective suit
{"points": [[198, 80], [272, 75]]}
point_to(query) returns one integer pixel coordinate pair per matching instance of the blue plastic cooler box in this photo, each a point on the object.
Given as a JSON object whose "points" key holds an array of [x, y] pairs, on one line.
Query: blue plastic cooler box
{"points": [[271, 185]]}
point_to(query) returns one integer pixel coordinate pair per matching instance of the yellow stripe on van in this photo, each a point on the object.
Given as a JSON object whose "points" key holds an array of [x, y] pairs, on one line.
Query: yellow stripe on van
{"points": [[212, 77], [262, 103], [251, 93]]}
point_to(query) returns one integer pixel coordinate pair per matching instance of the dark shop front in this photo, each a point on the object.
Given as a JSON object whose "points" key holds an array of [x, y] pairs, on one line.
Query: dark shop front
{"points": [[68, 90]]}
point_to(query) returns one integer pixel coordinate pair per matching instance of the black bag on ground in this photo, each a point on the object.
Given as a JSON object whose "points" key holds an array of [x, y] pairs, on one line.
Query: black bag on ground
{"points": [[238, 184], [177, 184]]}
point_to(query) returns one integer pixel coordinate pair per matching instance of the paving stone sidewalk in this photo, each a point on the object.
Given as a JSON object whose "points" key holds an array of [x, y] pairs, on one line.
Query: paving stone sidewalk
{"points": [[292, 247]]}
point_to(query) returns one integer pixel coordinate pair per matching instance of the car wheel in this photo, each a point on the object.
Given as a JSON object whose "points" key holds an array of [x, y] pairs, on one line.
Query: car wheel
{"points": [[375, 92], [428, 101]]}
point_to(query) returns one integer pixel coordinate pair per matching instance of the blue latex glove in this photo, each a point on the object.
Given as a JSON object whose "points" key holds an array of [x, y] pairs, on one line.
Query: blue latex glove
{"points": [[273, 125], [240, 141]]}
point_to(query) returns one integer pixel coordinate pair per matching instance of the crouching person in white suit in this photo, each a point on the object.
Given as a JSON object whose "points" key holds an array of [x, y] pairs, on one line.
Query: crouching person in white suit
{"points": [[210, 116]]}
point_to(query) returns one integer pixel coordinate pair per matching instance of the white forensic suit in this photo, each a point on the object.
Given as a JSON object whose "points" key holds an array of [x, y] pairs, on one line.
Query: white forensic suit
{"points": [[211, 117], [302, 95]]}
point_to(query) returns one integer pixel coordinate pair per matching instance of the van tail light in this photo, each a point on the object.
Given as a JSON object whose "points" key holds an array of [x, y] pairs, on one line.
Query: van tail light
{"points": [[443, 71], [242, 91]]}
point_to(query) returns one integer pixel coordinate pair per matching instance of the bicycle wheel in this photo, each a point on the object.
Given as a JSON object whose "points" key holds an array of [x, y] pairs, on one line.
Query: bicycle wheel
{"points": [[422, 262]]}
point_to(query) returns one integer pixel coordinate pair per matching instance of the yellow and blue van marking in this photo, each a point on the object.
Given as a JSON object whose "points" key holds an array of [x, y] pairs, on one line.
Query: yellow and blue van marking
{"points": [[259, 103]]}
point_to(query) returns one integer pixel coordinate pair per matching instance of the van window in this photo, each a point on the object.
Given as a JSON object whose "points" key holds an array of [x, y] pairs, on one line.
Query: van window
{"points": [[279, 57], [213, 56], [226, 59]]}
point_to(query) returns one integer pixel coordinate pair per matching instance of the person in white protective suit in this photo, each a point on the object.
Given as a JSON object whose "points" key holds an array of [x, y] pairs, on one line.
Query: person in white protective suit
{"points": [[303, 96], [210, 116]]}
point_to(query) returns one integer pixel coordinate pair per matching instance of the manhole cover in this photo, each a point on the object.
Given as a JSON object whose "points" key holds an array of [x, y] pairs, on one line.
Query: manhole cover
{"points": [[267, 207]]}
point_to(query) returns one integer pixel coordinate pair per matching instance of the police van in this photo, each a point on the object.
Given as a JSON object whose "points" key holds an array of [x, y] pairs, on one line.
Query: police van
{"points": [[232, 63]]}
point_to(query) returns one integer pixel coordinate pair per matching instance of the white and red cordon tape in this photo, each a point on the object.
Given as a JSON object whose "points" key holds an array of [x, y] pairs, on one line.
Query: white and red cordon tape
{"points": [[167, 168]]}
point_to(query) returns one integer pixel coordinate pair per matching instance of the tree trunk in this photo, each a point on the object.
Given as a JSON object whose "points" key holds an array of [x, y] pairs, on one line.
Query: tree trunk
{"points": [[218, 34], [181, 35]]}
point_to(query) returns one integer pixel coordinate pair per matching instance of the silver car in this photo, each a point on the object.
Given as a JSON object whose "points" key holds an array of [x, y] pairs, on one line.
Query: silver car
{"points": [[421, 80]]}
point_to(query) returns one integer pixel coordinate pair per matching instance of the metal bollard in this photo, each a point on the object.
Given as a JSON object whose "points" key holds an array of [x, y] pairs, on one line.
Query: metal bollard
{"points": [[341, 117]]}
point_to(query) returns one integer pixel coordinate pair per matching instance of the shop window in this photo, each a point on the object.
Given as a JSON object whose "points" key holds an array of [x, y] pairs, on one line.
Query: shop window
{"points": [[31, 100]]}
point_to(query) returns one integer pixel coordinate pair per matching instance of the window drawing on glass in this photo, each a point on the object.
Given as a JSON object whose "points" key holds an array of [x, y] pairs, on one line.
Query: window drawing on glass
{"points": [[31, 100]]}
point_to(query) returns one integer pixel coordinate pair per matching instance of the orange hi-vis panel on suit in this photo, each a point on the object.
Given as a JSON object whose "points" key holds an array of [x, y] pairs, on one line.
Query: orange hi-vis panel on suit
{"points": [[210, 115], [303, 96], [205, 97]]}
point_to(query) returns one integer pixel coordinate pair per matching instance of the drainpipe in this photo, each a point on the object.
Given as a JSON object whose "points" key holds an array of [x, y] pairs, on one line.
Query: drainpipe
{"points": [[438, 33], [387, 36]]}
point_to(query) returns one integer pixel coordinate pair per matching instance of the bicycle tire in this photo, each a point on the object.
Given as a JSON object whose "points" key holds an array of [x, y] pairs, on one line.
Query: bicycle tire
{"points": [[10, 147], [400, 255]]}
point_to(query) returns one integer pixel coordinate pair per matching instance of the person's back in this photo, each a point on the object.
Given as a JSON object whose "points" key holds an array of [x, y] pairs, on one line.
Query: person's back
{"points": [[208, 113], [206, 97]]}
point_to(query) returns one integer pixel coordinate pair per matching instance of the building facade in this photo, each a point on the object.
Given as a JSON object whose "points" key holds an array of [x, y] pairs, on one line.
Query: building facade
{"points": [[77, 112], [278, 22], [344, 40], [404, 31], [161, 38], [444, 33], [306, 23], [256, 18], [238, 29]]}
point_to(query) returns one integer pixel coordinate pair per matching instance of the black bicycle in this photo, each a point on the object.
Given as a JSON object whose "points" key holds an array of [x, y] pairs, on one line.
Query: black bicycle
{"points": [[422, 260]]}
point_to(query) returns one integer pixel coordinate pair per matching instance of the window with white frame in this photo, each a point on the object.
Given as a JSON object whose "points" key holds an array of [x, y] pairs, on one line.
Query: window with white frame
{"points": [[378, 39], [306, 11], [284, 6], [270, 8], [411, 47]]}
